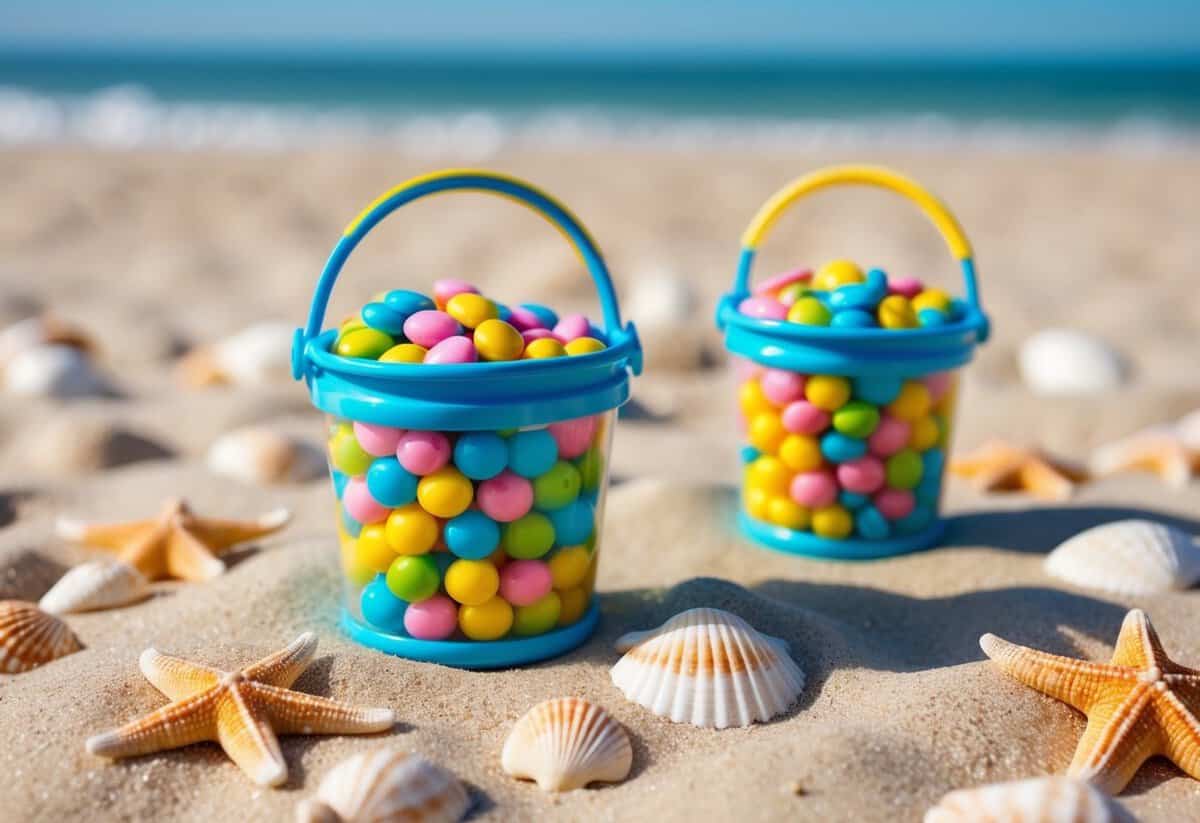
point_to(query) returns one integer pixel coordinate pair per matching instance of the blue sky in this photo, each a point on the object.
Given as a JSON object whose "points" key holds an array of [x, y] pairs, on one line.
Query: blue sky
{"points": [[849, 27]]}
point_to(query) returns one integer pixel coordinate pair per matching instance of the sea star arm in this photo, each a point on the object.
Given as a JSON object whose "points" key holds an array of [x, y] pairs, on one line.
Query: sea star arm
{"points": [[175, 677], [244, 732], [282, 668], [1047, 480], [1121, 735], [221, 534], [174, 725], [1182, 744], [113, 536], [1138, 646], [295, 712], [190, 559], [1075, 682]]}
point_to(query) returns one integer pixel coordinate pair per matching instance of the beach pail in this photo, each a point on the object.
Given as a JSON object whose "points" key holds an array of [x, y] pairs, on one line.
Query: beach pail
{"points": [[526, 414], [866, 483]]}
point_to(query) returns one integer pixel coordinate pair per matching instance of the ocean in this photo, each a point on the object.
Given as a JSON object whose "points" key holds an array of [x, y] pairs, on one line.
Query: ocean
{"points": [[473, 105]]}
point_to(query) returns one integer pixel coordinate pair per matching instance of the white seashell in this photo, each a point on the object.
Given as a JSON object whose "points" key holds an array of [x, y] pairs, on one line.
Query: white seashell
{"points": [[565, 744], [1039, 800], [257, 354], [1130, 557], [37, 331], [709, 668], [260, 455], [95, 586], [53, 371], [1187, 428], [660, 299], [1068, 362], [386, 785], [30, 637]]}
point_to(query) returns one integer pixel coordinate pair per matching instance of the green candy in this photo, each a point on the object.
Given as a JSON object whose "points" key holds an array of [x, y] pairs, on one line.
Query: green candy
{"points": [[591, 468], [809, 311], [528, 537], [348, 457], [856, 419], [413, 578], [538, 617], [904, 469], [557, 487], [365, 342]]}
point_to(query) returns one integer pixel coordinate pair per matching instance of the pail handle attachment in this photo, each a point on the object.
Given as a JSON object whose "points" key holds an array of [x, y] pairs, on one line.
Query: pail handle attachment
{"points": [[460, 180], [933, 208]]}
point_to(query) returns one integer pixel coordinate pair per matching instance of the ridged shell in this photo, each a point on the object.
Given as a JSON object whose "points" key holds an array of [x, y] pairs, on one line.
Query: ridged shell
{"points": [[1040, 800], [709, 668], [30, 637], [95, 586], [386, 785], [1130, 557], [257, 354], [1068, 362], [567, 743], [261, 455]]}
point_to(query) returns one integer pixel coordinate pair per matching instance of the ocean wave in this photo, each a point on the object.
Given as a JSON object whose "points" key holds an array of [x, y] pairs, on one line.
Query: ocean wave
{"points": [[130, 117]]}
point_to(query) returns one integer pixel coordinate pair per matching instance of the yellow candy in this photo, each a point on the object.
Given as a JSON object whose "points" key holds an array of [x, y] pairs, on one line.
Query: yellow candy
{"points": [[544, 347], [574, 604], [832, 521], [445, 493], [471, 309], [837, 273], [472, 582], [757, 502], [410, 530], [584, 345], [752, 401], [766, 432], [356, 572], [925, 433], [497, 340], [770, 474], [487, 621], [404, 353], [569, 566], [373, 550], [825, 391], [895, 312], [800, 452], [932, 299], [783, 511], [912, 403]]}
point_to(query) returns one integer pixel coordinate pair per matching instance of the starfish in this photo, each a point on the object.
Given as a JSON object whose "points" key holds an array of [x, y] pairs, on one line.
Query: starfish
{"points": [[1171, 451], [1000, 466], [1138, 705], [241, 710], [176, 544]]}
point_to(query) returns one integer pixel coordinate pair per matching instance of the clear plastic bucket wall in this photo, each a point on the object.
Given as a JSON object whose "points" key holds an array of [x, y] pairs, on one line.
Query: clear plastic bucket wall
{"points": [[846, 431], [469, 496]]}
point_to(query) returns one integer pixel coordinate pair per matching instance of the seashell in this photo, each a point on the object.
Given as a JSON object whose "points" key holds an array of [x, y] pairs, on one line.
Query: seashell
{"points": [[260, 455], [257, 354], [1187, 429], [386, 785], [74, 440], [42, 330], [660, 299], [30, 637], [1130, 557], [1068, 362], [53, 371], [709, 668], [1039, 800], [565, 744], [95, 586]]}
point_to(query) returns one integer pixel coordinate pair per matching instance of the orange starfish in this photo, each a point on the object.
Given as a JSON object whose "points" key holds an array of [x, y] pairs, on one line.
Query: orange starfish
{"points": [[241, 710], [176, 544], [1000, 466], [1138, 705], [1171, 452]]}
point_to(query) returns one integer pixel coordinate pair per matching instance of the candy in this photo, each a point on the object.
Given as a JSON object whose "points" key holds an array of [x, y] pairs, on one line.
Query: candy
{"points": [[912, 402], [423, 452], [365, 342], [372, 549], [801, 452], [380, 607], [757, 502], [904, 469], [769, 473], [506, 497], [573, 437], [852, 500], [390, 483], [763, 308], [339, 481], [752, 399], [863, 476], [783, 511], [889, 437], [480, 455], [538, 617], [938, 384], [915, 521], [456, 349], [384, 318], [571, 327], [856, 419], [346, 454], [871, 524], [832, 522], [827, 391], [838, 448], [532, 452], [766, 431], [444, 290], [908, 287], [573, 523], [836, 273], [863, 295], [591, 468], [569, 566], [446, 492], [523, 582], [430, 327], [895, 312], [925, 433], [557, 487], [528, 537], [407, 302], [931, 317], [574, 604], [547, 319], [488, 621], [404, 353], [584, 345], [894, 503], [377, 440], [809, 311], [781, 387], [853, 319], [360, 504], [773, 284], [411, 530], [522, 319], [802, 417], [788, 295], [814, 489], [413, 578], [544, 347], [472, 535], [934, 299], [471, 309], [879, 390], [432, 619], [472, 582]]}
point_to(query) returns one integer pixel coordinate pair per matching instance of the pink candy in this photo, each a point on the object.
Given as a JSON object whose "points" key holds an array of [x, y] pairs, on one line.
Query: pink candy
{"points": [[745, 369], [443, 290], [895, 503], [505, 497], [522, 319], [803, 417], [814, 489], [779, 281], [377, 441], [429, 327], [763, 308], [523, 582], [529, 335], [360, 504], [572, 327], [423, 453], [782, 387], [862, 476], [938, 384], [573, 437], [909, 287], [432, 619], [889, 437], [456, 349]]}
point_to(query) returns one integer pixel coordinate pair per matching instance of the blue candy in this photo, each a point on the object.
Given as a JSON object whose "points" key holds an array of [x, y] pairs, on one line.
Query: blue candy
{"points": [[340, 480], [852, 500], [750, 454], [853, 319], [930, 487], [381, 608], [920, 517], [472, 535], [871, 524], [532, 453], [545, 316], [865, 295], [573, 523], [503, 312], [838, 448], [480, 455], [390, 483], [878, 390], [351, 526], [383, 317], [931, 317], [407, 302]]}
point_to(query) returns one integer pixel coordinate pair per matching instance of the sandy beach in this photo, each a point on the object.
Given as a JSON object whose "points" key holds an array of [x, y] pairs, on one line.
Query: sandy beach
{"points": [[154, 252]]}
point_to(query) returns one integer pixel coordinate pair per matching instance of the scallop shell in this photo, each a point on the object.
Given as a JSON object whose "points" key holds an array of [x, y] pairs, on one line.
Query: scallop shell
{"points": [[30, 637], [53, 371], [261, 455], [709, 668], [257, 354], [566, 743], [1040, 800], [1129, 557], [386, 785], [95, 586], [1068, 362]]}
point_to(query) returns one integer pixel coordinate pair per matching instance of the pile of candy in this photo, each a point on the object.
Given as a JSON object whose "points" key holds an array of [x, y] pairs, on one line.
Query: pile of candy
{"points": [[843, 456], [483, 533], [840, 294], [460, 325]]}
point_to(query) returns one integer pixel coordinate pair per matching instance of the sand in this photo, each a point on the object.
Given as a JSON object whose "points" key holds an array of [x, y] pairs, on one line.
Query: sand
{"points": [[155, 252]]}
